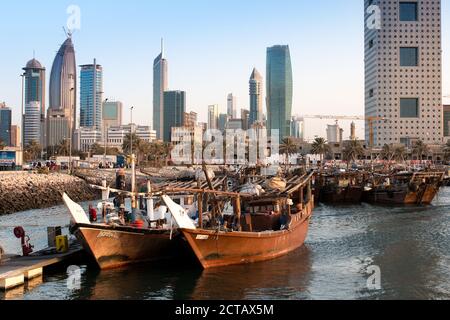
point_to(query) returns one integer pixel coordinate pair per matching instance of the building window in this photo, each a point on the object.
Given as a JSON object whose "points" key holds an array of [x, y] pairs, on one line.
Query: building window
{"points": [[409, 108], [371, 42], [409, 57], [371, 93], [408, 11]]}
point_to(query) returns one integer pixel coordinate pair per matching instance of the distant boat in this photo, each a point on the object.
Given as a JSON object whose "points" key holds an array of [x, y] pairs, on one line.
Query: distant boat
{"points": [[419, 188], [339, 187]]}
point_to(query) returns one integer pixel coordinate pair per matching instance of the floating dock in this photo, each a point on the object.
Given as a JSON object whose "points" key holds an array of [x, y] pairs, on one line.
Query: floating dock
{"points": [[16, 271]]}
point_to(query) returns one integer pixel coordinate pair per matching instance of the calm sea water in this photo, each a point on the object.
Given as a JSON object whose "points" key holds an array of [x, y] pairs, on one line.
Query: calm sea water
{"points": [[410, 245]]}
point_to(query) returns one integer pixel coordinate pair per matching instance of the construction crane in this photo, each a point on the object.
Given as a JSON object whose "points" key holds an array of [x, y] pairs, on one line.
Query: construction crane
{"points": [[369, 120]]}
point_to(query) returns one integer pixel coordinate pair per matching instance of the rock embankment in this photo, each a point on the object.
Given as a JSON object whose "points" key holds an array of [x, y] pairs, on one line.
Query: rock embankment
{"points": [[20, 191]]}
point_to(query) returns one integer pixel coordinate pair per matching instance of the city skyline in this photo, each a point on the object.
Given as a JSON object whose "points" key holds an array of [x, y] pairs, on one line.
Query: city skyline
{"points": [[194, 55]]}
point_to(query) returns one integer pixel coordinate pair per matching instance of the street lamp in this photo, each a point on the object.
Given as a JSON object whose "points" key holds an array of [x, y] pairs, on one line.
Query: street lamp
{"points": [[70, 130], [131, 132], [106, 136], [23, 113]]}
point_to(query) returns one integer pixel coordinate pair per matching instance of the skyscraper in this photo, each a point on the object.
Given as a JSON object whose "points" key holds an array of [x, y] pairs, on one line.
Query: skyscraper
{"points": [[61, 116], [5, 124], [403, 71], [174, 112], [160, 85], [245, 117], [213, 117], [232, 106], [223, 120], [34, 76], [91, 95], [279, 90], [112, 114], [256, 98], [32, 123]]}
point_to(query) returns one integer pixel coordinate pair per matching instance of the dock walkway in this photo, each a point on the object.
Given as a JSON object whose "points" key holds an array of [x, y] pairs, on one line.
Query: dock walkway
{"points": [[16, 270]]}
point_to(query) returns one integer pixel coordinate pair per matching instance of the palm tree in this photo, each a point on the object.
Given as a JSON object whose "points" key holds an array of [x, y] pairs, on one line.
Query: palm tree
{"points": [[2, 145], [352, 151], [288, 148], [387, 152], [399, 153], [63, 149], [320, 147], [126, 147], [33, 150], [420, 149]]}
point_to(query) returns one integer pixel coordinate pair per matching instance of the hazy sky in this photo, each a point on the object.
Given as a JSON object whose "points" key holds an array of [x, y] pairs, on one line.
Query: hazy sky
{"points": [[212, 47]]}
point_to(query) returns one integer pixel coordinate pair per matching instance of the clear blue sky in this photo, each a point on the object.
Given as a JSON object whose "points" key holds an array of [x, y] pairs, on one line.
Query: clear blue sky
{"points": [[211, 46]]}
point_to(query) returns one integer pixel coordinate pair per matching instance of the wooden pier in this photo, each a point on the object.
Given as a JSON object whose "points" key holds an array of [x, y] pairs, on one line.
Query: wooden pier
{"points": [[16, 271]]}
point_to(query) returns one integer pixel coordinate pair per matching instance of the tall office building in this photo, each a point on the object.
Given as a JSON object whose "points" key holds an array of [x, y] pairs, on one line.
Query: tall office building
{"points": [[245, 117], [298, 127], [174, 112], [61, 115], [256, 97], [213, 117], [16, 138], [403, 71], [34, 77], [91, 96], [223, 120], [5, 124], [279, 90], [232, 106], [32, 123], [160, 85], [112, 114]]}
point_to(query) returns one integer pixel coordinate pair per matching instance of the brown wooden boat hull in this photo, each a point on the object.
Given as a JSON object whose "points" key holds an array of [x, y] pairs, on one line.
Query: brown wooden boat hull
{"points": [[341, 195], [425, 195], [218, 249], [113, 248]]}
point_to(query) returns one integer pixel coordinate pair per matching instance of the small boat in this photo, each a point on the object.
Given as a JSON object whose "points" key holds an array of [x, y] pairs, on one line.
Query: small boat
{"points": [[261, 227], [340, 187], [419, 188]]}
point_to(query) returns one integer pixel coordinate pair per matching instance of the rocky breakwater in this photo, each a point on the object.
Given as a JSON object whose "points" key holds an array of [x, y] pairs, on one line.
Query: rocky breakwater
{"points": [[20, 191]]}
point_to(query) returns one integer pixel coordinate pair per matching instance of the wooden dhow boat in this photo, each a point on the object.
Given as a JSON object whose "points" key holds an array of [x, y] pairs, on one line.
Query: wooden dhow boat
{"points": [[411, 188], [339, 187], [261, 227]]}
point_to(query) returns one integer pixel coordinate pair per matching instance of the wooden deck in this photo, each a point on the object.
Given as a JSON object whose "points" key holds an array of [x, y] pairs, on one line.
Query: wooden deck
{"points": [[15, 271]]}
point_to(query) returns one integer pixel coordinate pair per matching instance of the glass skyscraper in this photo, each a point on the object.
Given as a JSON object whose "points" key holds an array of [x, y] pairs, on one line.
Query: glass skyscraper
{"points": [[160, 85], [61, 117], [174, 112], [34, 76], [91, 95], [279, 90]]}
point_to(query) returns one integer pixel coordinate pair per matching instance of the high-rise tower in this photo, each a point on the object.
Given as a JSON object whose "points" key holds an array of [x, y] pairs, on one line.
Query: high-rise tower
{"points": [[256, 98], [91, 95], [34, 77], [160, 85], [279, 90], [403, 71], [61, 116]]}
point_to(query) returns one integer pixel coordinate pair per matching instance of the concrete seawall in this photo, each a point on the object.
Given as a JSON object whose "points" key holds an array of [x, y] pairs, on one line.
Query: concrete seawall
{"points": [[21, 191]]}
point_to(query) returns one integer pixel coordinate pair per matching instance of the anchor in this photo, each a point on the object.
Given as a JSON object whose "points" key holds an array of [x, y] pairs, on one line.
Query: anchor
{"points": [[27, 248]]}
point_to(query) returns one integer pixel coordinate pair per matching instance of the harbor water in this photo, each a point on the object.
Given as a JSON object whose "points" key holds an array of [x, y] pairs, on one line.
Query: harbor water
{"points": [[408, 248]]}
